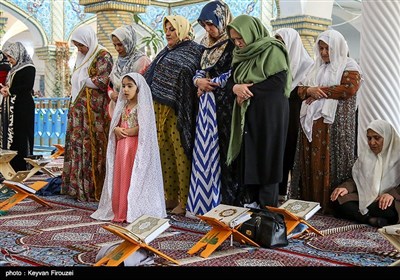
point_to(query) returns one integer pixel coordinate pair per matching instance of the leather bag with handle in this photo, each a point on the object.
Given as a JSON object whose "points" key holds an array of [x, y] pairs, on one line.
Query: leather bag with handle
{"points": [[266, 228]]}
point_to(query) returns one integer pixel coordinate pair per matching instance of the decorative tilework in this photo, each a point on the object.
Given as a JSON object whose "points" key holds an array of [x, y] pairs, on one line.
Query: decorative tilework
{"points": [[74, 13], [39, 10]]}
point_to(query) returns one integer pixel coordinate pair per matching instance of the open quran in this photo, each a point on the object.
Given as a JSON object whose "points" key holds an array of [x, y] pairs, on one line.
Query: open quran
{"points": [[144, 229]]}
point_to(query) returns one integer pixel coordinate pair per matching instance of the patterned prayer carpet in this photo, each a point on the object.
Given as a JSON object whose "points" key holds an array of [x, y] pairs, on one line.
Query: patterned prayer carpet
{"points": [[65, 236]]}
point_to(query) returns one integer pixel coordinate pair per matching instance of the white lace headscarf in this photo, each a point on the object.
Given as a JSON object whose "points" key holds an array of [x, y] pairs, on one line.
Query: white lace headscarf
{"points": [[86, 36], [376, 174], [326, 74], [146, 191], [300, 60]]}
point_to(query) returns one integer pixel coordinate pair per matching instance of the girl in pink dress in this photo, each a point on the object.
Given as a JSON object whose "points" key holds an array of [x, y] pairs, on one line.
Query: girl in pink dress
{"points": [[134, 184], [127, 142]]}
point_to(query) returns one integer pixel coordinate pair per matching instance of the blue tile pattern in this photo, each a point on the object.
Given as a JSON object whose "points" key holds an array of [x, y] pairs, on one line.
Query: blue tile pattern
{"points": [[41, 11]]}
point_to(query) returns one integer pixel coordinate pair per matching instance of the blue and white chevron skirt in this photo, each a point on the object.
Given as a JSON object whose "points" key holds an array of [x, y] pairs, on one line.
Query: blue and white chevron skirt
{"points": [[205, 178]]}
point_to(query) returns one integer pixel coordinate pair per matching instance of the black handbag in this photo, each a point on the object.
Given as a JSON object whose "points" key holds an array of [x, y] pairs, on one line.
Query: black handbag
{"points": [[266, 228]]}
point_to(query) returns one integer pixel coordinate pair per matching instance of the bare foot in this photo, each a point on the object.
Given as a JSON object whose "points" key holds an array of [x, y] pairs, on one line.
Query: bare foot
{"points": [[179, 210], [171, 204]]}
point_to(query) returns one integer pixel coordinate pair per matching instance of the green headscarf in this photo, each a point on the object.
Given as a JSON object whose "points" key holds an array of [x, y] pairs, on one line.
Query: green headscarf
{"points": [[262, 57]]}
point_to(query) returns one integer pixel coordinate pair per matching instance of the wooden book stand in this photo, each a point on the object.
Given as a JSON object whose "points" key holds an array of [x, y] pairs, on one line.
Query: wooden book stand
{"points": [[292, 220], [125, 249], [38, 165], [20, 176], [216, 236], [60, 151], [21, 194], [5, 167]]}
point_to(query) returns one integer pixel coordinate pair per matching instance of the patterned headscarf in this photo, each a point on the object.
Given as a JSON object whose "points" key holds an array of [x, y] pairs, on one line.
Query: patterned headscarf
{"points": [[21, 56], [219, 14], [126, 64], [184, 29], [376, 174]]}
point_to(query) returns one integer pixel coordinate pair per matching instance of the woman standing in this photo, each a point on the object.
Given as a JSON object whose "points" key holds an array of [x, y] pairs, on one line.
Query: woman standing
{"points": [[328, 119], [261, 83], [300, 66], [170, 79], [130, 59], [88, 119], [18, 107], [212, 181]]}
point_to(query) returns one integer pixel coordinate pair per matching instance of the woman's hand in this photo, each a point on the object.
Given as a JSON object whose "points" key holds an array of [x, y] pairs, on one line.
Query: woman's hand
{"points": [[385, 201], [242, 91], [5, 91], [310, 100], [204, 85], [338, 192], [316, 93], [240, 100]]}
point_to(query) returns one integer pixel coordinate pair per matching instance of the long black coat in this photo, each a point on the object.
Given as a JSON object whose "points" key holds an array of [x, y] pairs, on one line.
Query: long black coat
{"points": [[18, 117]]}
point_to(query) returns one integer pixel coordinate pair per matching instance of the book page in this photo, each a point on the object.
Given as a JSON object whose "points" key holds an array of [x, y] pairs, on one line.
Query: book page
{"points": [[124, 231], [20, 185]]}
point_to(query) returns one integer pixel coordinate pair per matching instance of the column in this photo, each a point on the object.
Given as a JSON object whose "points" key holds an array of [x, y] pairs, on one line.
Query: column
{"points": [[3, 22], [267, 13], [48, 55], [379, 96], [309, 18]]}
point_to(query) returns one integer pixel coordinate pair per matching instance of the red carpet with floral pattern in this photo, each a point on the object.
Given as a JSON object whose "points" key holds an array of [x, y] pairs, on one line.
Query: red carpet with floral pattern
{"points": [[65, 236]]}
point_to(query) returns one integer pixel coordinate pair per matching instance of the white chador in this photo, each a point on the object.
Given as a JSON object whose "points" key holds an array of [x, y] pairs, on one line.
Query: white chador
{"points": [[146, 191]]}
